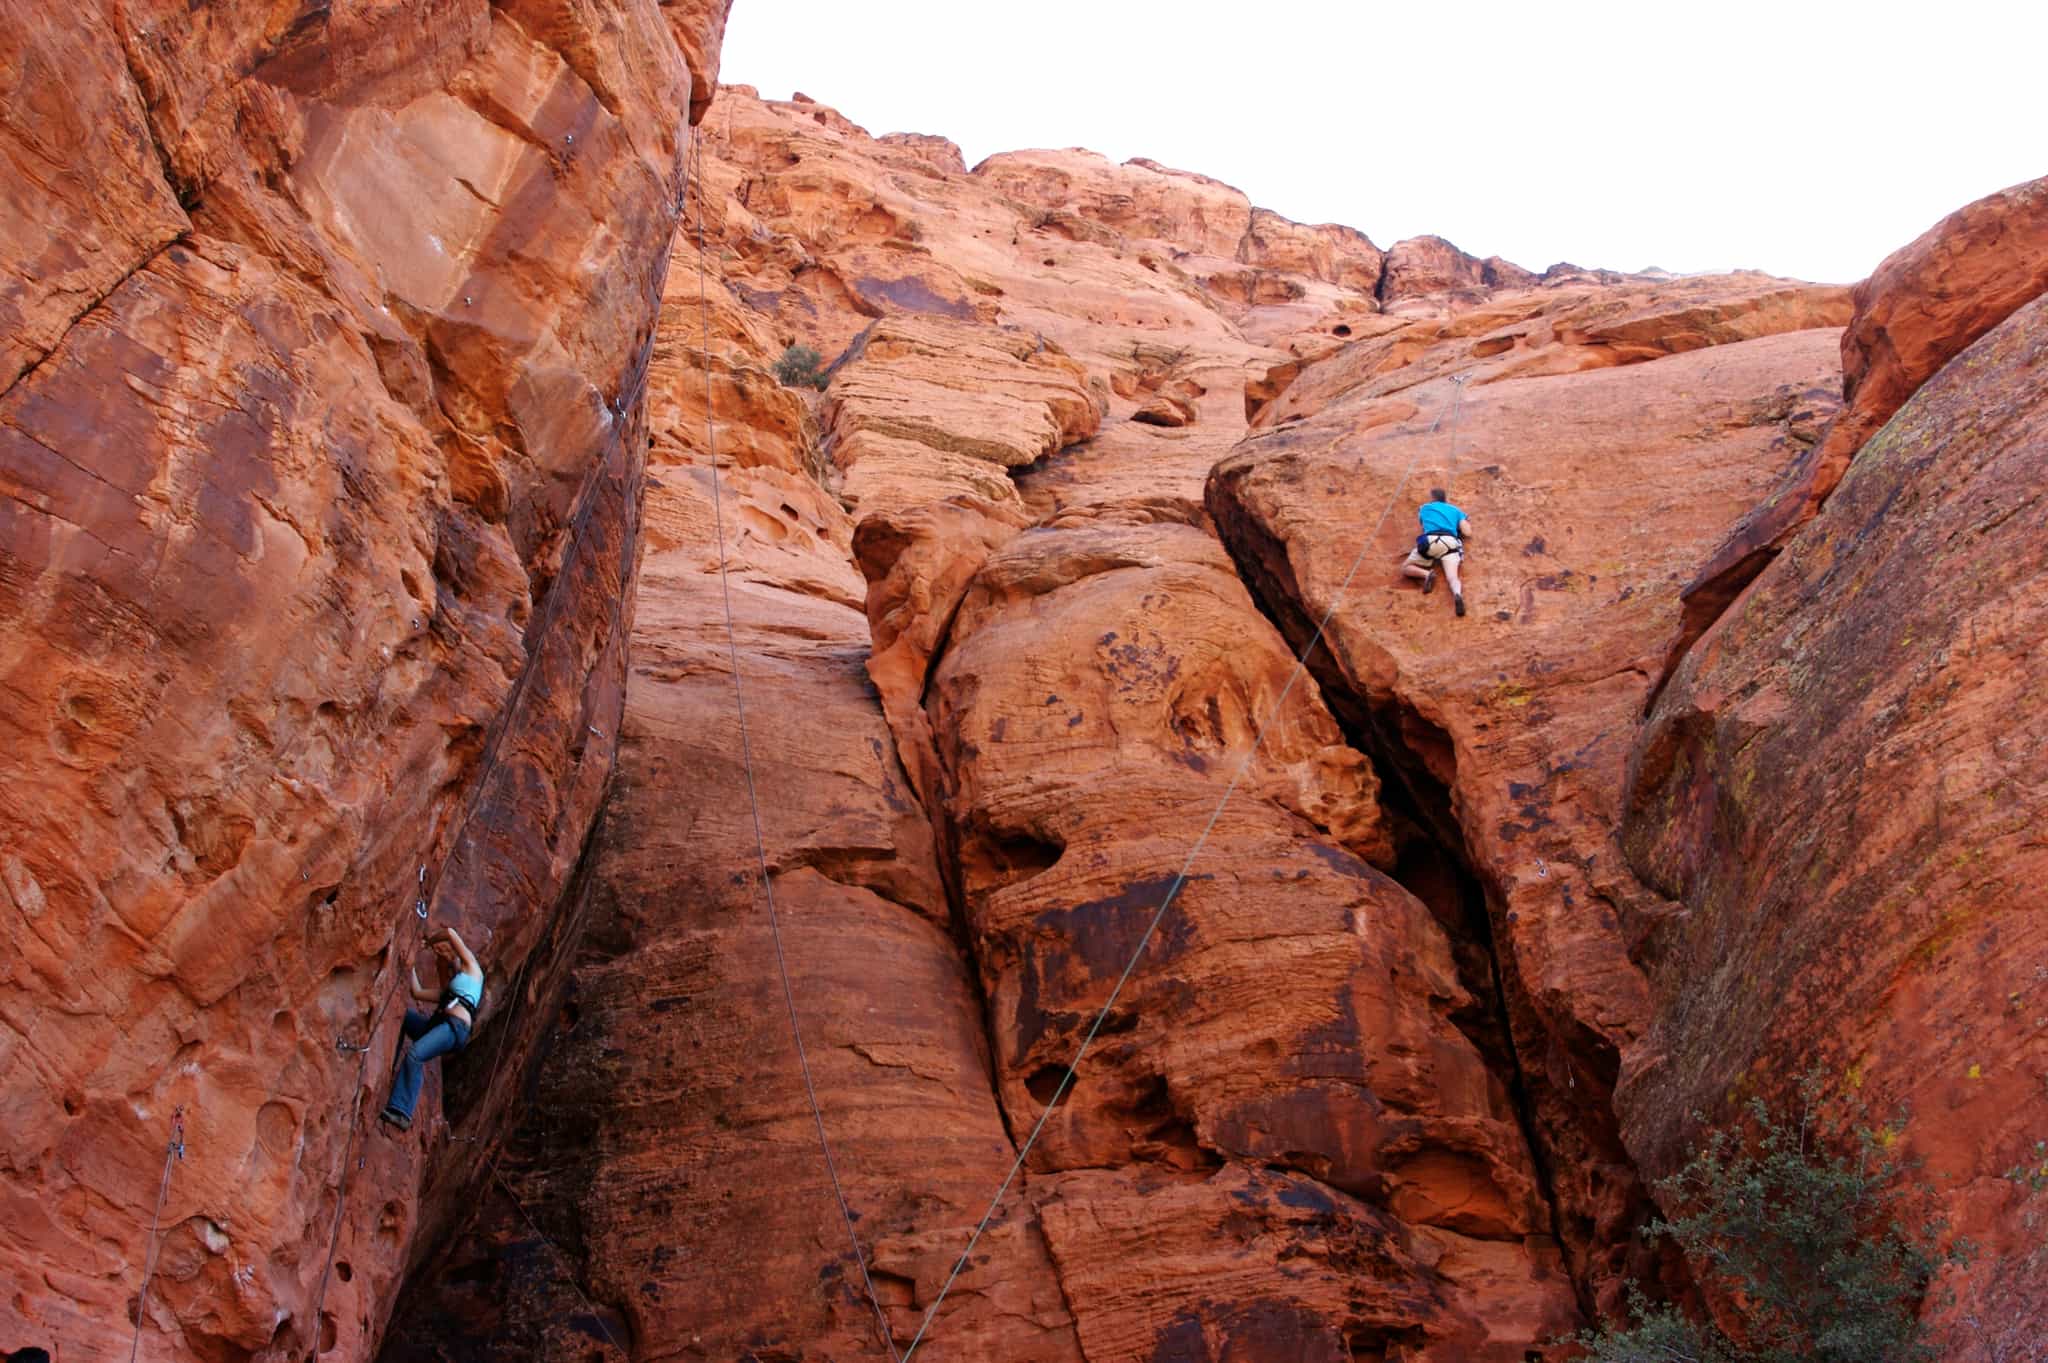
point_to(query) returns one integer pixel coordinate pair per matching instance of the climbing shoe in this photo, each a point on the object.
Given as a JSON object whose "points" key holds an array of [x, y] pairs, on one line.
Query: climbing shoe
{"points": [[391, 1116], [1429, 582], [1459, 602]]}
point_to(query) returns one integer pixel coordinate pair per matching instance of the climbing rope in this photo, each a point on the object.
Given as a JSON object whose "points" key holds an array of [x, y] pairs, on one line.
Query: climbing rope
{"points": [[753, 795], [567, 1262], [1180, 877], [173, 1152], [1457, 406]]}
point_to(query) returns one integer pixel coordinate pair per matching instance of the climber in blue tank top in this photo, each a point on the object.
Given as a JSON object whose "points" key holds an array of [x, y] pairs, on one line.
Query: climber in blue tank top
{"points": [[1441, 544], [441, 1032]]}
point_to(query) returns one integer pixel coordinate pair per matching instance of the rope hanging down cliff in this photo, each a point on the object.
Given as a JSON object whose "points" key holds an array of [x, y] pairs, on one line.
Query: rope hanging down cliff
{"points": [[1187, 864], [173, 1152], [747, 761]]}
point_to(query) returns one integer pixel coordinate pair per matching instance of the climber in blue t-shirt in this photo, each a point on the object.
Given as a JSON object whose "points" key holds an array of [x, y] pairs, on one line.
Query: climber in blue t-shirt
{"points": [[1440, 545]]}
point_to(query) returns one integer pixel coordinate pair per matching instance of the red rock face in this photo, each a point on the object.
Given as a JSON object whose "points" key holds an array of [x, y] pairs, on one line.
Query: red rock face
{"points": [[1014, 607], [1841, 789], [923, 408], [321, 445], [1432, 268], [945, 431], [702, 1219], [1355, 1098], [1507, 729], [1927, 302], [1298, 1009]]}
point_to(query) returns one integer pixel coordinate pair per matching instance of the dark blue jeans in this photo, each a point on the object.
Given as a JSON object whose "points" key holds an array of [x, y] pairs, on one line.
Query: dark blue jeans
{"points": [[433, 1035]]}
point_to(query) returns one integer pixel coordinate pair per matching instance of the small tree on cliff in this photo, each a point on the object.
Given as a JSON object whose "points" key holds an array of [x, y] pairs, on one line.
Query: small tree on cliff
{"points": [[801, 367], [1813, 1250]]}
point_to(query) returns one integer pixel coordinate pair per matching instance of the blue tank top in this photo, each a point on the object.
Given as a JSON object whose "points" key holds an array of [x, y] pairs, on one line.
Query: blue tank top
{"points": [[467, 988], [1440, 518]]}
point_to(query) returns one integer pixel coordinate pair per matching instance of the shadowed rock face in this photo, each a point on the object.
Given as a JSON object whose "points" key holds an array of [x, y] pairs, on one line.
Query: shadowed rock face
{"points": [[1842, 789], [322, 358]]}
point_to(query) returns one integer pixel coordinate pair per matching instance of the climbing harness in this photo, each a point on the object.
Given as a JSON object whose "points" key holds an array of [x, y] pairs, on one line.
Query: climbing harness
{"points": [[747, 761], [1180, 878], [173, 1152]]}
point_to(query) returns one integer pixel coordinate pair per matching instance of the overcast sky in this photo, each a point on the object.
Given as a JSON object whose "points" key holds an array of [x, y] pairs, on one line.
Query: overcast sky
{"points": [[1802, 138]]}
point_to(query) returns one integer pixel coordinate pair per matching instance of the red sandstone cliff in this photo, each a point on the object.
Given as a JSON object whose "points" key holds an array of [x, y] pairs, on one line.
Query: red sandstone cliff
{"points": [[324, 339], [1100, 445], [1378, 1039], [1842, 787]]}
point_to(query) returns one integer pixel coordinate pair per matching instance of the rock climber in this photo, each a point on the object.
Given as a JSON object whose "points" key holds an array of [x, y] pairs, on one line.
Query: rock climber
{"points": [[1440, 545], [441, 1032]]}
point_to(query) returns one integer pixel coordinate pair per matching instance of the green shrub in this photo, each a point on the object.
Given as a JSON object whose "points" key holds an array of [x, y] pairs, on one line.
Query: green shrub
{"points": [[801, 367], [1814, 1251]]}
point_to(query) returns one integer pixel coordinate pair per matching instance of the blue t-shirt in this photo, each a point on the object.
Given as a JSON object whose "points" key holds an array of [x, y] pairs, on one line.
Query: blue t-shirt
{"points": [[1440, 518]]}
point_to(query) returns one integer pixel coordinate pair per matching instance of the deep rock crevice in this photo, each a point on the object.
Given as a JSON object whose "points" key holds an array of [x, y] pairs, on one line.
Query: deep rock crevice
{"points": [[1435, 864]]}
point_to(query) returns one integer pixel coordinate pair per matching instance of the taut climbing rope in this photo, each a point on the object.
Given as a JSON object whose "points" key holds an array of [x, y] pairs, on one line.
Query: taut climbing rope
{"points": [[1457, 406], [747, 761], [1179, 879], [173, 1152], [567, 1263]]}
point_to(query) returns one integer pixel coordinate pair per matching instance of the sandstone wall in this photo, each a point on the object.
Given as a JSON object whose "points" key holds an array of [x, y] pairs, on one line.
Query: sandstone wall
{"points": [[1355, 1100], [1013, 606], [321, 445], [1507, 731], [1842, 787]]}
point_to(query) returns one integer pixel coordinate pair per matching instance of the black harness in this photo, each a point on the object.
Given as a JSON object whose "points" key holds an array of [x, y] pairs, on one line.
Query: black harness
{"points": [[1422, 544], [449, 998]]}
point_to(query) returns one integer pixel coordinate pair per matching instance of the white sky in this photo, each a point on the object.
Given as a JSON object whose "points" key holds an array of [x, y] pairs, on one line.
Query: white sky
{"points": [[1802, 138]]}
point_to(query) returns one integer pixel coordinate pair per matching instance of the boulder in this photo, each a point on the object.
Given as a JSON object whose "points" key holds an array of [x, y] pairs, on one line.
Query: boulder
{"points": [[1138, 199], [924, 409], [1100, 692]]}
